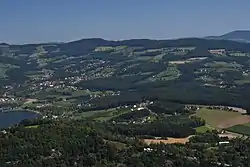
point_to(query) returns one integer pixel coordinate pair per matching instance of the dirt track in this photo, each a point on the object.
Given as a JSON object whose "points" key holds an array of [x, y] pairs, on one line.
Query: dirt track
{"points": [[230, 135], [171, 140]]}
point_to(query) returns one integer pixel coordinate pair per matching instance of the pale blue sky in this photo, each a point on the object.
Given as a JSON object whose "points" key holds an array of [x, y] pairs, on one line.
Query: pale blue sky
{"points": [[33, 21]]}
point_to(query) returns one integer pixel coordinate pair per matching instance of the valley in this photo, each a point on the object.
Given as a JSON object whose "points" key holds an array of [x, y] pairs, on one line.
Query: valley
{"points": [[134, 94], [101, 80]]}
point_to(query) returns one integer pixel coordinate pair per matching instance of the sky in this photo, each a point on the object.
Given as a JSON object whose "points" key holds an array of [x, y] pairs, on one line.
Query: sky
{"points": [[35, 21]]}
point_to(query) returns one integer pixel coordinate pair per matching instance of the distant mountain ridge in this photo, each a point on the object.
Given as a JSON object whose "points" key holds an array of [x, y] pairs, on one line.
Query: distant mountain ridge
{"points": [[84, 46], [238, 35], [3, 44]]}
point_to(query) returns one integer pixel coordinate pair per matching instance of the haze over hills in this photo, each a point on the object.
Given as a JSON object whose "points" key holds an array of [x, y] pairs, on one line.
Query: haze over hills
{"points": [[238, 35]]}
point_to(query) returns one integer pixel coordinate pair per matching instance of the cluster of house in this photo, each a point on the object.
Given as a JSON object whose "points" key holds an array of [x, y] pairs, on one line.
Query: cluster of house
{"points": [[245, 73], [7, 99], [88, 76], [92, 96], [52, 84], [89, 64], [179, 49], [137, 107]]}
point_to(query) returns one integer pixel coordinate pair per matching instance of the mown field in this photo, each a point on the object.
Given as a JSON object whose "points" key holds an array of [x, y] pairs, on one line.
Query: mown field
{"points": [[101, 115], [241, 129], [215, 117], [222, 119]]}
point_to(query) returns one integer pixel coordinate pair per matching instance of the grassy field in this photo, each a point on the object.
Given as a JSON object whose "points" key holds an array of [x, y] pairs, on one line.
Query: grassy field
{"points": [[65, 103], [244, 80], [101, 115], [2, 73], [86, 114], [159, 57], [239, 54], [104, 48], [221, 66], [203, 129], [32, 126], [241, 129], [105, 116], [215, 118], [4, 68], [145, 58], [34, 74], [241, 82], [247, 124], [171, 73], [109, 48]]}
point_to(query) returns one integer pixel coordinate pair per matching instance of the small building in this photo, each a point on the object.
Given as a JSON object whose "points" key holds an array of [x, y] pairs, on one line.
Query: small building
{"points": [[223, 142], [140, 108], [217, 51], [54, 117], [4, 132], [148, 149]]}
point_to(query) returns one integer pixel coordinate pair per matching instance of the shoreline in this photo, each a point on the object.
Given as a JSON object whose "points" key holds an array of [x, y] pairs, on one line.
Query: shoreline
{"points": [[19, 109], [21, 113]]}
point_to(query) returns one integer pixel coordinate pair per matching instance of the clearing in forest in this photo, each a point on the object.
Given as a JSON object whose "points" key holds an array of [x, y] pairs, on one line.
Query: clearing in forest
{"points": [[203, 129]]}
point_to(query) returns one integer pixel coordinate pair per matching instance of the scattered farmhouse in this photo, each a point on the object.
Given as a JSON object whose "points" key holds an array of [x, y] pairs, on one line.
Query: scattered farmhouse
{"points": [[217, 51]]}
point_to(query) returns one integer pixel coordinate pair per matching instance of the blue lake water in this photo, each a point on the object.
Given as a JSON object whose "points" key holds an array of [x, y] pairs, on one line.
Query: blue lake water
{"points": [[11, 118]]}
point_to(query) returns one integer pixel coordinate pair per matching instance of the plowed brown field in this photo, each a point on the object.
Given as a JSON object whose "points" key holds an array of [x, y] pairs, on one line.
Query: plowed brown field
{"points": [[170, 140], [242, 119], [222, 119]]}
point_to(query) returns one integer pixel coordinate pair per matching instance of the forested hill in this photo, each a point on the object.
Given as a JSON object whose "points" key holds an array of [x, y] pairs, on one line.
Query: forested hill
{"points": [[91, 43], [239, 35], [85, 144], [151, 68], [101, 102]]}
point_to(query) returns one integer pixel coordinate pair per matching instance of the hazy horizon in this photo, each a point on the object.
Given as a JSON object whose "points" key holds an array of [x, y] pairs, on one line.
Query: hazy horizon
{"points": [[49, 21]]}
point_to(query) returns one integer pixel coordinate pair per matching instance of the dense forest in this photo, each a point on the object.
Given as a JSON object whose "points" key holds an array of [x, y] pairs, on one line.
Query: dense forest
{"points": [[78, 143]]}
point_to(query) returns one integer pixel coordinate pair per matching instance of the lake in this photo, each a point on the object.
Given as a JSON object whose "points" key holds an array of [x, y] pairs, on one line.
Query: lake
{"points": [[14, 117]]}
